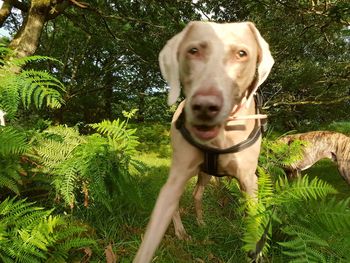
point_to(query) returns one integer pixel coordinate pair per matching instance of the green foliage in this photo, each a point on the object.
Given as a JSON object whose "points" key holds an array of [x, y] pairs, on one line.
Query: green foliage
{"points": [[32, 234], [119, 137], [301, 189], [320, 232], [155, 137], [276, 154], [312, 227], [26, 85], [92, 169], [340, 126], [13, 145], [15, 142]]}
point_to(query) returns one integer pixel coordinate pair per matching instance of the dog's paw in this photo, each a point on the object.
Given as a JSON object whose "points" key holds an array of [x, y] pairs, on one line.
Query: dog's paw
{"points": [[182, 235], [201, 222]]}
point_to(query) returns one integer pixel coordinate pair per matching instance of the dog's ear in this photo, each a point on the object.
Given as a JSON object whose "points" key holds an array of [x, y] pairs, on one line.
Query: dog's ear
{"points": [[265, 59], [169, 65]]}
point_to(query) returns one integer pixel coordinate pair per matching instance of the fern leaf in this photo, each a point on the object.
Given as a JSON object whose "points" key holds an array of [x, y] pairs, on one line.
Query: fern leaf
{"points": [[35, 239], [9, 179], [305, 246], [302, 189], [120, 138], [334, 215], [28, 86], [16, 142]]}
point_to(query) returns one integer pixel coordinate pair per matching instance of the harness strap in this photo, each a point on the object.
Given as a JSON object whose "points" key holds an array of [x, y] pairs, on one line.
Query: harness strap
{"points": [[211, 155], [253, 136]]}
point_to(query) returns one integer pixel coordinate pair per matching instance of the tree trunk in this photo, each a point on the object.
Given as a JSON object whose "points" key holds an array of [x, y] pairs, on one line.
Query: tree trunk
{"points": [[27, 38], [5, 11], [109, 97]]}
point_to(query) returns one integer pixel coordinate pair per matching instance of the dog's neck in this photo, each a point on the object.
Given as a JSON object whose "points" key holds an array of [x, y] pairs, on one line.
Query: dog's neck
{"points": [[238, 114]]}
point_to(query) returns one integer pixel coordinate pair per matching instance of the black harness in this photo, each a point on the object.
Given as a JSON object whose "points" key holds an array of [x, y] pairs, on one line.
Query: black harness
{"points": [[211, 155]]}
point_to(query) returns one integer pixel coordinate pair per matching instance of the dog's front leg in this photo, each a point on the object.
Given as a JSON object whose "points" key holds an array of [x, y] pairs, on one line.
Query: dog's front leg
{"points": [[203, 180], [167, 203]]}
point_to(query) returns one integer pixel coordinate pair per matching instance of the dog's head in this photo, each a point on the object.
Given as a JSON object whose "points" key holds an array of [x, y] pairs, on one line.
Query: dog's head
{"points": [[217, 65]]}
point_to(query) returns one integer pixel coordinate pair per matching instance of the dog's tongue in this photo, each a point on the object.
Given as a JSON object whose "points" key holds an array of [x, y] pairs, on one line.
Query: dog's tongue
{"points": [[205, 133]]}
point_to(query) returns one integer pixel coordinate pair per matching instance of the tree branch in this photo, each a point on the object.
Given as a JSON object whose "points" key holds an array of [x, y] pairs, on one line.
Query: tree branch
{"points": [[24, 7], [308, 102], [5, 11], [79, 4]]}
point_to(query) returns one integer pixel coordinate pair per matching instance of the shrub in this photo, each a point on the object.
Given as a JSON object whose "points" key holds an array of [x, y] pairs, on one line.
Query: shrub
{"points": [[154, 138], [89, 170], [32, 234], [26, 86], [10, 154], [306, 226]]}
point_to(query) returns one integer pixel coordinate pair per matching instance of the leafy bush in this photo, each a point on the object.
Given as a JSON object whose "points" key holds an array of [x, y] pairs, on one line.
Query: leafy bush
{"points": [[306, 226], [342, 127], [26, 86], [32, 234], [13, 145], [90, 169], [154, 138]]}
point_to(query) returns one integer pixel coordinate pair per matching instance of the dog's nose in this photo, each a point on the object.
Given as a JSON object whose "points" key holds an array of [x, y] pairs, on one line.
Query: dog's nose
{"points": [[206, 107]]}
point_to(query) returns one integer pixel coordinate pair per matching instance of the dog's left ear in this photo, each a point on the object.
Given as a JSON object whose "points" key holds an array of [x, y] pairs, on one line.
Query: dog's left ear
{"points": [[169, 65], [265, 59]]}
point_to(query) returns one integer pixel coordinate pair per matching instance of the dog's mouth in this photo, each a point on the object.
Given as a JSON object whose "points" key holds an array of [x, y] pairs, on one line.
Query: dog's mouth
{"points": [[205, 132]]}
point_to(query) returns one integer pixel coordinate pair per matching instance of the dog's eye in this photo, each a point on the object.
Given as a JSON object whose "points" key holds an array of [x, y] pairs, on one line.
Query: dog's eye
{"points": [[193, 51], [242, 54]]}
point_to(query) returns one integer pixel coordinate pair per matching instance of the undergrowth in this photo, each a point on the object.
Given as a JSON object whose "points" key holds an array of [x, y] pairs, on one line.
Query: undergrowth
{"points": [[33, 234]]}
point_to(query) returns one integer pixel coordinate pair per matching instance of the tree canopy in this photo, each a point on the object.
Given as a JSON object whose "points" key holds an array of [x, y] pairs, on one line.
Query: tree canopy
{"points": [[109, 51]]}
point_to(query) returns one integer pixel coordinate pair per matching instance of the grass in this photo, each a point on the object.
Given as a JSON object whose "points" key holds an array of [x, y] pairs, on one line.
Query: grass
{"points": [[327, 171], [219, 240]]}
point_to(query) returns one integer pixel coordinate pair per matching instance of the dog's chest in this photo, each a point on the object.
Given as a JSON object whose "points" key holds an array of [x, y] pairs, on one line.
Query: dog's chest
{"points": [[228, 164]]}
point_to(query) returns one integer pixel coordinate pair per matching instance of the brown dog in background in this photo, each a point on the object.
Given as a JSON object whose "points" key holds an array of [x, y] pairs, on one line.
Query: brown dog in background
{"points": [[319, 145]]}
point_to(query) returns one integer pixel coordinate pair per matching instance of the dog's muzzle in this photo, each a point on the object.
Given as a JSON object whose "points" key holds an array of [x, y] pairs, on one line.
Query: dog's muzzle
{"points": [[205, 110]]}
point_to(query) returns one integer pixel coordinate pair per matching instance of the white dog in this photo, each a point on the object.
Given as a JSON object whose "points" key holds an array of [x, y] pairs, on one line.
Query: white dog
{"points": [[220, 67]]}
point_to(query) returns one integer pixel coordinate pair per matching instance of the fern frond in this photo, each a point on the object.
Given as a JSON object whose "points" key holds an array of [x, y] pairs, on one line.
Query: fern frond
{"points": [[9, 182], [31, 234], [301, 189], [64, 133], [9, 96], [28, 86], [95, 166], [334, 215], [10, 152], [20, 62], [13, 142], [306, 246], [65, 181], [38, 86], [120, 138], [266, 187]]}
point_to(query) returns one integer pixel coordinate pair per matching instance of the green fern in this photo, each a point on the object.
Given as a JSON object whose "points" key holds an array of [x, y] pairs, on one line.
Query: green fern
{"points": [[257, 222], [278, 204], [32, 234], [27, 85], [276, 155], [119, 136], [301, 189], [95, 165], [10, 154], [16, 142], [304, 247], [323, 228]]}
